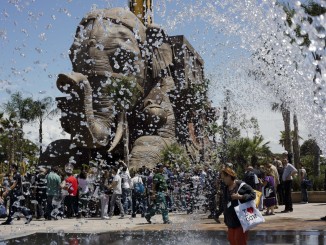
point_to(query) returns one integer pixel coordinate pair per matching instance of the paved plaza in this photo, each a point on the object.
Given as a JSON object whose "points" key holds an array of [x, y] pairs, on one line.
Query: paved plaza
{"points": [[305, 217]]}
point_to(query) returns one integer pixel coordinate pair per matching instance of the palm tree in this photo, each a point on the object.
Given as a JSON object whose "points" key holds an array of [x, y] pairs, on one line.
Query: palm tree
{"points": [[295, 141], [41, 110], [286, 115], [246, 150], [20, 110], [9, 137], [282, 136]]}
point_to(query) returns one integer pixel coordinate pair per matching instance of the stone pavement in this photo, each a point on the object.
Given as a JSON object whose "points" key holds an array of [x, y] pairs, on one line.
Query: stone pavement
{"points": [[306, 217]]}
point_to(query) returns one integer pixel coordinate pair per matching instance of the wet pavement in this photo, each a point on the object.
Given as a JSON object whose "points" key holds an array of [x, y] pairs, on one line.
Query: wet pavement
{"points": [[306, 217]]}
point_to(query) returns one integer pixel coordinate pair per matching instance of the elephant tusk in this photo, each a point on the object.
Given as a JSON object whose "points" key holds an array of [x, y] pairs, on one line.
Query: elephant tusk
{"points": [[119, 132]]}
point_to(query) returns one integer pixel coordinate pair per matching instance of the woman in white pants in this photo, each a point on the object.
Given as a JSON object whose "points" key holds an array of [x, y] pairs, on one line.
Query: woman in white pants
{"points": [[104, 194]]}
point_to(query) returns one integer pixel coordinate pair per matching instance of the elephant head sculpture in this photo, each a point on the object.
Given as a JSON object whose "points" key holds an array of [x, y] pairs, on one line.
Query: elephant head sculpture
{"points": [[121, 75]]}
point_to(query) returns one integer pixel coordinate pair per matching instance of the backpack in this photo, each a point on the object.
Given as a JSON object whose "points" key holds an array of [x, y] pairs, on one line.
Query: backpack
{"points": [[139, 187]]}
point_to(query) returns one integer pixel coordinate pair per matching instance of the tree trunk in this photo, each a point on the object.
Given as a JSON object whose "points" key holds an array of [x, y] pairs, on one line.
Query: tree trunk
{"points": [[40, 131], [225, 133], [286, 114], [296, 146], [316, 160], [11, 147]]}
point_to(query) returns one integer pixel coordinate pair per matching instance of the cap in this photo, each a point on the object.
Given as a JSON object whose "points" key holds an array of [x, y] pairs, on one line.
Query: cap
{"points": [[285, 153]]}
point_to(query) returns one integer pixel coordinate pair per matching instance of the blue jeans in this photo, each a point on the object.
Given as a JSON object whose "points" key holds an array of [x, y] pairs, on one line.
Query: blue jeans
{"points": [[138, 202], [126, 199], [304, 192], [17, 205]]}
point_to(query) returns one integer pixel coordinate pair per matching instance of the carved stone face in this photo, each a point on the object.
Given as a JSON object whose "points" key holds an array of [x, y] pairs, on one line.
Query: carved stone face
{"points": [[105, 47]]}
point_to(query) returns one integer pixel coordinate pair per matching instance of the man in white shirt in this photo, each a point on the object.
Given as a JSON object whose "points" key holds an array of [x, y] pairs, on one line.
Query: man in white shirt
{"points": [[138, 195], [287, 177], [126, 191], [117, 192]]}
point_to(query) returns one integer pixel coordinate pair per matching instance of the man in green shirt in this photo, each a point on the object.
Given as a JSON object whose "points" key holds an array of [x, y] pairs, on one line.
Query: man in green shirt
{"points": [[53, 190], [158, 195]]}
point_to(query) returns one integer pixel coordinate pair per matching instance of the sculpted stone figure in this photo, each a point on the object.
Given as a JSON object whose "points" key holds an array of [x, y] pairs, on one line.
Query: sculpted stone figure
{"points": [[120, 77]]}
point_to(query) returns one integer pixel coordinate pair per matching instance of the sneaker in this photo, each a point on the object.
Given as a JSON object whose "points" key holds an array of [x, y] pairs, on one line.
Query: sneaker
{"points": [[133, 216], [148, 219], [121, 217], [6, 223], [105, 217], [167, 222], [28, 219]]}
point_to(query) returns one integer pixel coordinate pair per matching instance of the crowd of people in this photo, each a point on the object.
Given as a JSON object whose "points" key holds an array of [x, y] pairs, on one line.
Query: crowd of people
{"points": [[106, 191], [109, 190]]}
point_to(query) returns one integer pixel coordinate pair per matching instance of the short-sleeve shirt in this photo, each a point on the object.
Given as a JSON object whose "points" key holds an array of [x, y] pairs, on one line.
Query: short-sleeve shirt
{"points": [[125, 180], [18, 188], [288, 170], [53, 184], [303, 174], [117, 189], [72, 184]]}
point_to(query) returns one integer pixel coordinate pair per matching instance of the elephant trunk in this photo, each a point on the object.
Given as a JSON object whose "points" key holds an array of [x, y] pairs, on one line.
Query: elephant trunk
{"points": [[91, 116]]}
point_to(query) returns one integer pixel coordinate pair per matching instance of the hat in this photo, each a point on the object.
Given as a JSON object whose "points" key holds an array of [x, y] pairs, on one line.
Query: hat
{"points": [[229, 171], [159, 165], [285, 153]]}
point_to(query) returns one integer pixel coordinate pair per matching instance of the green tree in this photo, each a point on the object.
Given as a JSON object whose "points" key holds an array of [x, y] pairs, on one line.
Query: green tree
{"points": [[247, 150], [41, 110], [21, 111], [286, 115], [9, 137], [20, 108], [311, 148]]}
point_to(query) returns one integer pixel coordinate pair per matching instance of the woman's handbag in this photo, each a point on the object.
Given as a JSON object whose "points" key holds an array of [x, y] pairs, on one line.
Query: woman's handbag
{"points": [[248, 214], [258, 197]]}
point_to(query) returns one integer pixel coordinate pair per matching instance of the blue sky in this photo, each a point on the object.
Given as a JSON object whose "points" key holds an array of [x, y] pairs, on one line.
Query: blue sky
{"points": [[35, 36]]}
